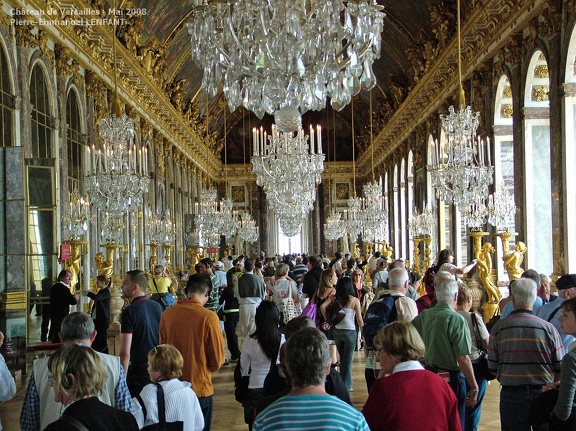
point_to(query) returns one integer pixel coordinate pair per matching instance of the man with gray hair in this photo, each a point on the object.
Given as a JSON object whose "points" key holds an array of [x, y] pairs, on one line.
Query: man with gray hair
{"points": [[448, 344], [39, 408], [525, 353], [399, 283], [308, 362]]}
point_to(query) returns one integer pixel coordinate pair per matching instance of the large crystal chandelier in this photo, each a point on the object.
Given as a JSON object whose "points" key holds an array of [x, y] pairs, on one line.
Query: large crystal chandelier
{"points": [[118, 172], [275, 53], [461, 168], [288, 166], [501, 208]]}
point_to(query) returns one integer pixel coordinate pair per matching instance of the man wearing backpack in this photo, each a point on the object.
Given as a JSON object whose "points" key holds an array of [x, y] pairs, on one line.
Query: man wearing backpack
{"points": [[390, 305]]}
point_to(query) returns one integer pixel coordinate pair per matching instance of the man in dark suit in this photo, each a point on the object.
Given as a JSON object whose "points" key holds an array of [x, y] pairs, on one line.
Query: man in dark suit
{"points": [[60, 301], [544, 290]]}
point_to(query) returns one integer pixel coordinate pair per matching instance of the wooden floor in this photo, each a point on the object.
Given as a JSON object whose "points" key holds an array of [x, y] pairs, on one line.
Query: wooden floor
{"points": [[228, 413]]}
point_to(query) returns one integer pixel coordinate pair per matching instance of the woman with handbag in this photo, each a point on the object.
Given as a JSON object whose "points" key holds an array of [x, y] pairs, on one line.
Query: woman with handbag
{"points": [[281, 288], [159, 285], [345, 334], [328, 280], [480, 337], [167, 402], [258, 351]]}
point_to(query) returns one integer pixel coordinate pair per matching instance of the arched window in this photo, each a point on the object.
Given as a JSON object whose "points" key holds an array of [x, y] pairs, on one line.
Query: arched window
{"points": [[410, 199], [503, 159], [75, 143], [537, 184], [396, 209], [403, 252], [6, 103], [570, 153], [42, 122]]}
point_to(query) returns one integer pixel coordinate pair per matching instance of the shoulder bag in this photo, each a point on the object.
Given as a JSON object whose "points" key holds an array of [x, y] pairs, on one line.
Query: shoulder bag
{"points": [[162, 425], [290, 309], [311, 309], [167, 299], [481, 369]]}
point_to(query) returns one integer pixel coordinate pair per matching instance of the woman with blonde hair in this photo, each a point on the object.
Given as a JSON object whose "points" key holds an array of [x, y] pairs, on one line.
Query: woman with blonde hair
{"points": [[159, 285], [181, 403], [402, 377], [77, 376], [101, 312]]}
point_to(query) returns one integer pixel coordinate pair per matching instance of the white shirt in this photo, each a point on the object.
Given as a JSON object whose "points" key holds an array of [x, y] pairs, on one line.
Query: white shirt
{"points": [[254, 363], [181, 405]]}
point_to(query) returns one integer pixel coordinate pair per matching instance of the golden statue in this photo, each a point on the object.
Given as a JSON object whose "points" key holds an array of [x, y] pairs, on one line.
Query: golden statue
{"points": [[104, 267], [356, 251], [388, 252], [513, 260], [484, 269], [73, 265]]}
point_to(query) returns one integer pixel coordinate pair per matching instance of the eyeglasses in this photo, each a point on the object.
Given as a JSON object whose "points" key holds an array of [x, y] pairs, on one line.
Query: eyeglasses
{"points": [[377, 351], [50, 379]]}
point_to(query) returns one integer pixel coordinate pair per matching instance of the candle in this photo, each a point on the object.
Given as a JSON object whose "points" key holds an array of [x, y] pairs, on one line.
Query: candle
{"points": [[254, 146], [488, 148], [319, 140], [311, 140]]}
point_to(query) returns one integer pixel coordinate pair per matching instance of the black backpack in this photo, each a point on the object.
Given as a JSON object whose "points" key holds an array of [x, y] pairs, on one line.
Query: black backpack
{"points": [[378, 315]]}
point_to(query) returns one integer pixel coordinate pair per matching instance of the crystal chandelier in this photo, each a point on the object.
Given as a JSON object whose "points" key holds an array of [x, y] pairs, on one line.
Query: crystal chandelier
{"points": [[461, 168], [77, 215], [421, 225], [375, 216], [275, 53], [248, 230], [476, 214], [161, 229], [118, 173], [288, 166], [334, 227], [214, 219], [501, 208]]}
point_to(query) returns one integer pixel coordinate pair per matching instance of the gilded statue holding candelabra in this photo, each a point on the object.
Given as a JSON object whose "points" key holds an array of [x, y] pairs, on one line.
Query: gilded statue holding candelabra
{"points": [[73, 264], [416, 256], [427, 253], [484, 269], [388, 252], [105, 267], [513, 260]]}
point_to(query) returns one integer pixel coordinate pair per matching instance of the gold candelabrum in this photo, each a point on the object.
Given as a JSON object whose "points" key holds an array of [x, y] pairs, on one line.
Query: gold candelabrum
{"points": [[512, 258], [105, 267], [416, 256], [193, 256], [168, 257], [73, 264], [368, 248], [153, 256], [505, 238], [427, 252]]}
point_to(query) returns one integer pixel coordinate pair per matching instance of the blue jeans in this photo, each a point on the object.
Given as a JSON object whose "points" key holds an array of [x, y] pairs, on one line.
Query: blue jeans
{"points": [[458, 385], [514, 406], [345, 340], [472, 415], [206, 405]]}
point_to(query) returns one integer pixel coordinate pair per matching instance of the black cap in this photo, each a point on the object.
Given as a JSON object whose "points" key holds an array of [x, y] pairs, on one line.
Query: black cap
{"points": [[566, 281]]}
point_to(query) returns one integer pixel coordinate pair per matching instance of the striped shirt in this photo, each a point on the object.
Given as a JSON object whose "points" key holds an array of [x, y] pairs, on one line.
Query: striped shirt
{"points": [[313, 412], [524, 350]]}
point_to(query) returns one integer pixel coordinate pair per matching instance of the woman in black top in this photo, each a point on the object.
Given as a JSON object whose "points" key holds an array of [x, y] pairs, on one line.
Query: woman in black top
{"points": [[101, 312]]}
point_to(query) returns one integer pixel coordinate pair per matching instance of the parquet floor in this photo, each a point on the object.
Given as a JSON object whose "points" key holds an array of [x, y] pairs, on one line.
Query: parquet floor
{"points": [[228, 413]]}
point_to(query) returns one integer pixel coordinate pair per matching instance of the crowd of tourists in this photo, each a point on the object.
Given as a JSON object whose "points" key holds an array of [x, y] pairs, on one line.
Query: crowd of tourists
{"points": [[292, 325]]}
